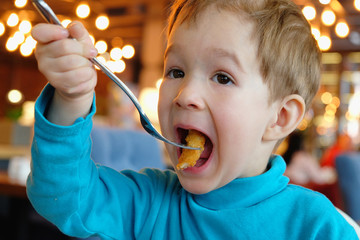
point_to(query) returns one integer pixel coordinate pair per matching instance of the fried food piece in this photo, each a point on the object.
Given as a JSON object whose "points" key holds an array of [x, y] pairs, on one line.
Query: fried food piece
{"points": [[189, 157]]}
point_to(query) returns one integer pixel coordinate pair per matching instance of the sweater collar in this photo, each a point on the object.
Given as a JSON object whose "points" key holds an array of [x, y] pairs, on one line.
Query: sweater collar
{"points": [[245, 192]]}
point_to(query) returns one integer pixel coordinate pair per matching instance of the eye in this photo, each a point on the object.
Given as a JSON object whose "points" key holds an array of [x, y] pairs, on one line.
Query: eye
{"points": [[222, 79], [175, 73]]}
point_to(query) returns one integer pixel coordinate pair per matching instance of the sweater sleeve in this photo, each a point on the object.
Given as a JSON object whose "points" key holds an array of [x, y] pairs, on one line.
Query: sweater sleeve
{"points": [[68, 189]]}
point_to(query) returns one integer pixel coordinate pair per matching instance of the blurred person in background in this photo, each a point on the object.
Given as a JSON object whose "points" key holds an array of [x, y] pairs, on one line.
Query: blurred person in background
{"points": [[343, 144], [302, 167]]}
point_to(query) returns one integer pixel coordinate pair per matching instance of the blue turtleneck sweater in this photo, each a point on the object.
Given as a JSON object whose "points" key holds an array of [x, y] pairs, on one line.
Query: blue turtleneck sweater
{"points": [[84, 199]]}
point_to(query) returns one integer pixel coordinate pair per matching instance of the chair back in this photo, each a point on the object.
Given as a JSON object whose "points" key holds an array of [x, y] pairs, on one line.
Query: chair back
{"points": [[350, 221], [348, 169], [125, 149]]}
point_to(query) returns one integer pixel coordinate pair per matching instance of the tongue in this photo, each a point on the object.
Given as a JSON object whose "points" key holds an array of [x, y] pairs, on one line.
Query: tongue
{"points": [[207, 150]]}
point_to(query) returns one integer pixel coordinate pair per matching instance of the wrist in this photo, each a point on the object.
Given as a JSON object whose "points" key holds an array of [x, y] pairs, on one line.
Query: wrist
{"points": [[64, 110]]}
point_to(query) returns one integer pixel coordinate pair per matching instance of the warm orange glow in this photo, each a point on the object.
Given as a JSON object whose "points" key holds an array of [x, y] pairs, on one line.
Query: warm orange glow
{"points": [[309, 12], [335, 101], [14, 96], [326, 97], [2, 29], [328, 17], [83, 10], [20, 3], [116, 54], [128, 51], [102, 22], [25, 27], [13, 20], [65, 23], [316, 33], [342, 29], [324, 43], [357, 4], [101, 46]]}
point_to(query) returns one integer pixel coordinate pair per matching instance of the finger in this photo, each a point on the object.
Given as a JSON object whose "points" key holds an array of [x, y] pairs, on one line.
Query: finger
{"points": [[79, 32], [45, 33], [85, 80], [69, 62], [61, 48]]}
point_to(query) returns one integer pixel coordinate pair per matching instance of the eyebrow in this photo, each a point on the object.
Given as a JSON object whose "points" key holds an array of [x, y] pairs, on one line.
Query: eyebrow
{"points": [[214, 51], [221, 52], [169, 49]]}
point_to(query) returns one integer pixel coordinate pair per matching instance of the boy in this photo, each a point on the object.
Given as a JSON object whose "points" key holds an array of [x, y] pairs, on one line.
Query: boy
{"points": [[242, 73]]}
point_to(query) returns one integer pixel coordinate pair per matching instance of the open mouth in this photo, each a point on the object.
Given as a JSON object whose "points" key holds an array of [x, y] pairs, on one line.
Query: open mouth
{"points": [[205, 154]]}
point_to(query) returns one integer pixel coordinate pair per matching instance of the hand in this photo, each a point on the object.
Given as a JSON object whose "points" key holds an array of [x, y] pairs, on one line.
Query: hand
{"points": [[65, 63]]}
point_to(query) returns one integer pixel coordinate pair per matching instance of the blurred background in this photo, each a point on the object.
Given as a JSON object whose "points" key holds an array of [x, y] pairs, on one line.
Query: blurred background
{"points": [[129, 35]]}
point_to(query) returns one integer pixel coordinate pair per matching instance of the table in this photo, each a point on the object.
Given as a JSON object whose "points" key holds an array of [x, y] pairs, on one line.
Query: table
{"points": [[9, 151], [22, 222], [11, 187]]}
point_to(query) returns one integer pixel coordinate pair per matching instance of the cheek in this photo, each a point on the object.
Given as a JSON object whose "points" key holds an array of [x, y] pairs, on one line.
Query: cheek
{"points": [[163, 103], [241, 124], [164, 110]]}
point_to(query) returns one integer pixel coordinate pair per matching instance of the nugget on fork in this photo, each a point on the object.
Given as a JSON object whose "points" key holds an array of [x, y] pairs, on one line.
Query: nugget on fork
{"points": [[189, 157]]}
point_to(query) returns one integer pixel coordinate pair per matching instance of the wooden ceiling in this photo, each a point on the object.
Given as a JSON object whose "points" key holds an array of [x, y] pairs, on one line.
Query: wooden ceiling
{"points": [[128, 17], [343, 9]]}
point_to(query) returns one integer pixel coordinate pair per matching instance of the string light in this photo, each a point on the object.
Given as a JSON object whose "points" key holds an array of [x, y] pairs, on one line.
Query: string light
{"points": [[20, 3], [2, 29], [309, 12], [328, 17], [357, 4], [30, 41], [316, 33], [128, 51], [65, 23], [326, 98], [101, 46], [324, 43], [83, 10], [19, 37], [26, 49], [13, 20], [102, 22], [116, 66], [325, 2], [14, 96], [342, 29], [25, 27], [11, 44], [116, 54]]}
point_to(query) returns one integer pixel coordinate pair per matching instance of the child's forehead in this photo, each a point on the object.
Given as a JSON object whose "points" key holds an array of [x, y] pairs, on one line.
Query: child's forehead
{"points": [[192, 15]]}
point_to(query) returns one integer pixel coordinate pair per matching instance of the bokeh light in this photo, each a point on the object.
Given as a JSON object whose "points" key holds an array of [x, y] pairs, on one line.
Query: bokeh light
{"points": [[128, 51], [102, 22], [83, 10], [14, 96]]}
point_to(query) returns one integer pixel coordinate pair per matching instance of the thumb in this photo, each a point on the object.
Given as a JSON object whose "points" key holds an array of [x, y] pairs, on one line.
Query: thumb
{"points": [[79, 32]]}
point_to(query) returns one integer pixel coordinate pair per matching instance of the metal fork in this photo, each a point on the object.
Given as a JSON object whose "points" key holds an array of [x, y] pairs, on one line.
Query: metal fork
{"points": [[50, 17]]}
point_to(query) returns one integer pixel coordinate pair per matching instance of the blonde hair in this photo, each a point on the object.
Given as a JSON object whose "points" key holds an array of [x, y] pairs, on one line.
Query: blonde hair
{"points": [[287, 51]]}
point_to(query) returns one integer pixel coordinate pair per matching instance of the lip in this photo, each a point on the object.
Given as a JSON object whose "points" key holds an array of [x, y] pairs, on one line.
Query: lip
{"points": [[197, 170]]}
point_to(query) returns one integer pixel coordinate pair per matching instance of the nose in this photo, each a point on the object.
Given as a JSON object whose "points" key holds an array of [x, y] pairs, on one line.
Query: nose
{"points": [[190, 96]]}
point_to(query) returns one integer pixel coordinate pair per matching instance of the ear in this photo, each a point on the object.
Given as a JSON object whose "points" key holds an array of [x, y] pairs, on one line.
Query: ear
{"points": [[290, 112]]}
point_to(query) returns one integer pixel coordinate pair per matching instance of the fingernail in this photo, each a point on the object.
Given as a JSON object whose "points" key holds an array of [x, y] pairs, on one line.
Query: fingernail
{"points": [[93, 52]]}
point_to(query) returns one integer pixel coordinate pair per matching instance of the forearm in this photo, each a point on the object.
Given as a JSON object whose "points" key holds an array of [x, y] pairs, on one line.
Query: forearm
{"points": [[61, 165]]}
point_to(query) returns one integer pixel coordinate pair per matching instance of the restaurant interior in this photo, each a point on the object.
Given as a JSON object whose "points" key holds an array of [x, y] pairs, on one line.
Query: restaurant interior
{"points": [[129, 37]]}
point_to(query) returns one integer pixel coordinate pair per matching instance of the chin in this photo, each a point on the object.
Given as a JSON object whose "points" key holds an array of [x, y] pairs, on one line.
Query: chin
{"points": [[196, 186]]}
